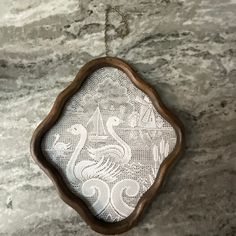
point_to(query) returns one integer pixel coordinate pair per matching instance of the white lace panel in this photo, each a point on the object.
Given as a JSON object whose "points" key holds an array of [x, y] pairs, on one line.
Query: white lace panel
{"points": [[109, 143]]}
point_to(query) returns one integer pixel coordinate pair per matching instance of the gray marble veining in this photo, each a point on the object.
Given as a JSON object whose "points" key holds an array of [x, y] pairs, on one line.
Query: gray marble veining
{"points": [[185, 49]]}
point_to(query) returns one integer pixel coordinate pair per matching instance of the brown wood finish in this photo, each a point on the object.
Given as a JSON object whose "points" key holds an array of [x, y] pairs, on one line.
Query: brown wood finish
{"points": [[63, 190]]}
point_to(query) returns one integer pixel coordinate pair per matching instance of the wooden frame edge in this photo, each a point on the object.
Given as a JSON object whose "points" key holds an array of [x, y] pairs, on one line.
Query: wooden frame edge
{"points": [[64, 192]]}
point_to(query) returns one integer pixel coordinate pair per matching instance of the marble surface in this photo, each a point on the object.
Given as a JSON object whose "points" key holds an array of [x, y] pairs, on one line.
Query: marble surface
{"points": [[185, 48]]}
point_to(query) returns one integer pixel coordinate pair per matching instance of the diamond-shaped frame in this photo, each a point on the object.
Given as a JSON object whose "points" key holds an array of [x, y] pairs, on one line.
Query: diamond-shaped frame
{"points": [[64, 191]]}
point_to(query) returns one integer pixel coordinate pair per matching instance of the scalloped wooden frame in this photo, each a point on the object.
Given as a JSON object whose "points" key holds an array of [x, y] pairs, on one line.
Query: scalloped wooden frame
{"points": [[66, 195]]}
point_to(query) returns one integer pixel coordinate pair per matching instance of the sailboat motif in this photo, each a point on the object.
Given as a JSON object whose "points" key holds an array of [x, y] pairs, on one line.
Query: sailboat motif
{"points": [[147, 116], [95, 127]]}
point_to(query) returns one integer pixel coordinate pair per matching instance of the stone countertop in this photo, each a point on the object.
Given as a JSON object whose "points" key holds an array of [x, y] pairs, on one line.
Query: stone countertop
{"points": [[186, 49]]}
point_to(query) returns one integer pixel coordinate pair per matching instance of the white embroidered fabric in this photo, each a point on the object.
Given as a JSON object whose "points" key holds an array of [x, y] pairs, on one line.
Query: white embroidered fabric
{"points": [[109, 144]]}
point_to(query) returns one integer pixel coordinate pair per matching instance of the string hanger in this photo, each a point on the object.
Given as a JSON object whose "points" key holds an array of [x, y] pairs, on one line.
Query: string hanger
{"points": [[109, 9]]}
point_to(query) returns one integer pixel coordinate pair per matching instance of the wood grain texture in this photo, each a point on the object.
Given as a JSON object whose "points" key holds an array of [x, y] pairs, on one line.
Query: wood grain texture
{"points": [[184, 48]]}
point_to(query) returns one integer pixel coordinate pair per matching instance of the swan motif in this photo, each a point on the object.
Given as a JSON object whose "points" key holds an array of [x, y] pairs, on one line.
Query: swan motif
{"points": [[87, 169], [60, 147], [118, 153]]}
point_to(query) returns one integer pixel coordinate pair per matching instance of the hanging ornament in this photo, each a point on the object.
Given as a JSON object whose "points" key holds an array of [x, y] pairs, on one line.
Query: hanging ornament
{"points": [[108, 143]]}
